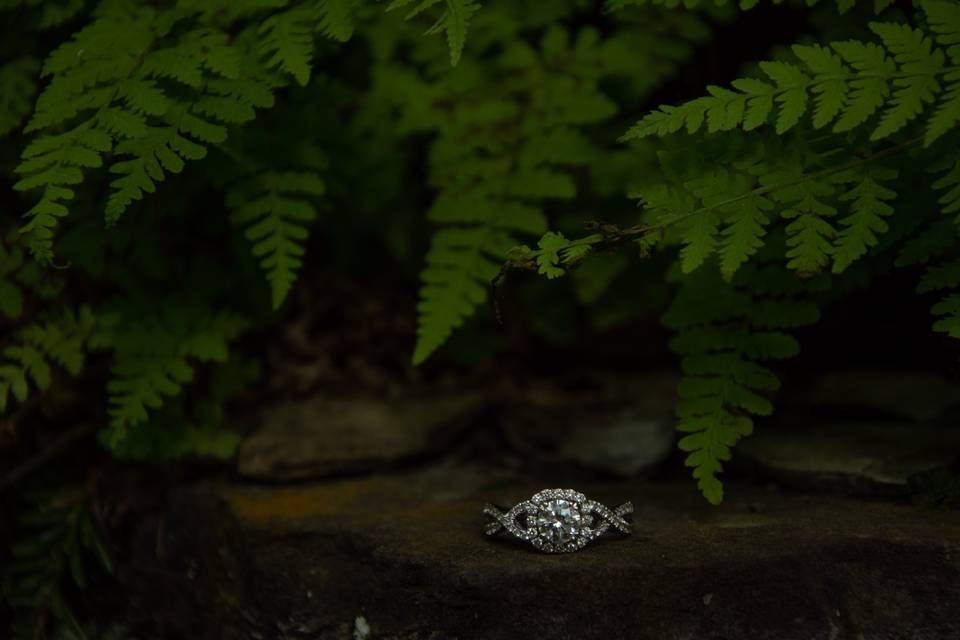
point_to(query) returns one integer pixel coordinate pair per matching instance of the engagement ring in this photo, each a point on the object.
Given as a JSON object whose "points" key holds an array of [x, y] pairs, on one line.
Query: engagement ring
{"points": [[558, 520]]}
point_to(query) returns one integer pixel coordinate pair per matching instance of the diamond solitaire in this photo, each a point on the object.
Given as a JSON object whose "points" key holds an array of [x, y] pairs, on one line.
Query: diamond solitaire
{"points": [[558, 520]]}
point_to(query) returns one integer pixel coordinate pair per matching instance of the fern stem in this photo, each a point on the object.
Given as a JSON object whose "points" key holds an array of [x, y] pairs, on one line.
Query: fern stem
{"points": [[612, 235], [640, 230]]}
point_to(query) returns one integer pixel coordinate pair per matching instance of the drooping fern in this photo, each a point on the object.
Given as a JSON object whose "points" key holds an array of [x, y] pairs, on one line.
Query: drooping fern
{"points": [[498, 158], [724, 332], [61, 341], [153, 357], [720, 196], [113, 88], [944, 275], [275, 208], [453, 21]]}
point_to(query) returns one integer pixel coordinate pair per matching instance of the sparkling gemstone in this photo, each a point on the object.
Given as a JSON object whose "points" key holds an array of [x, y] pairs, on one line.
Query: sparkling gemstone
{"points": [[559, 521]]}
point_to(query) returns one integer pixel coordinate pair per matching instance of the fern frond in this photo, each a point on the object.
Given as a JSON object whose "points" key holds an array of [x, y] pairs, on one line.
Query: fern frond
{"points": [[743, 235], [453, 21], [901, 77], [950, 183], [723, 334], [866, 220], [61, 341], [495, 166], [275, 210], [949, 311], [159, 151], [459, 268], [152, 359], [288, 43], [914, 53], [336, 18], [155, 96], [85, 73]]}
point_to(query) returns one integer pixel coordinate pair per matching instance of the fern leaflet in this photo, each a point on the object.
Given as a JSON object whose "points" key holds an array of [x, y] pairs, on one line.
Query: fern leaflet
{"points": [[152, 358], [900, 77], [275, 209], [723, 333], [61, 341]]}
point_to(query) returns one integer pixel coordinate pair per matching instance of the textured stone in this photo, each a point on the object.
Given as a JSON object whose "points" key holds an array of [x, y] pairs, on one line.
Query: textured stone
{"points": [[868, 457], [872, 393], [622, 426], [407, 554], [319, 437]]}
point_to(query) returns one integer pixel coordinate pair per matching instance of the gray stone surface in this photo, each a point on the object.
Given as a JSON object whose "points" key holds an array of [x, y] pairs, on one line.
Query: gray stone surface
{"points": [[873, 393], [625, 443], [869, 457], [318, 436], [406, 554], [622, 425]]}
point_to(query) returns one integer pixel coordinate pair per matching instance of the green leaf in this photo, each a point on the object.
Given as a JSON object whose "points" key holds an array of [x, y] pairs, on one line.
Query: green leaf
{"points": [[868, 210], [791, 85], [743, 234], [913, 52], [288, 42], [276, 211], [551, 244]]}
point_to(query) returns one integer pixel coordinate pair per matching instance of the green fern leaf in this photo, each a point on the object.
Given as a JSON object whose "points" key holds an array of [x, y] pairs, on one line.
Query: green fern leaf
{"points": [[949, 310], [276, 211], [699, 239], [453, 21], [914, 54], [950, 201], [809, 235], [161, 150], [942, 276], [791, 85], [869, 208], [869, 90], [743, 235], [455, 283], [288, 42], [828, 84], [926, 245], [759, 106], [723, 385], [61, 340], [152, 359], [336, 18], [550, 244]]}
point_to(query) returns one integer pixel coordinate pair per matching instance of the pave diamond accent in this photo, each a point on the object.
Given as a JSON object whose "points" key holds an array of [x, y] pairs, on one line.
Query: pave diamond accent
{"points": [[558, 520]]}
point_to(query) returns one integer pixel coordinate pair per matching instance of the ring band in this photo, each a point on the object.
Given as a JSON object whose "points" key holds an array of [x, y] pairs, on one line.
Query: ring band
{"points": [[558, 520]]}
